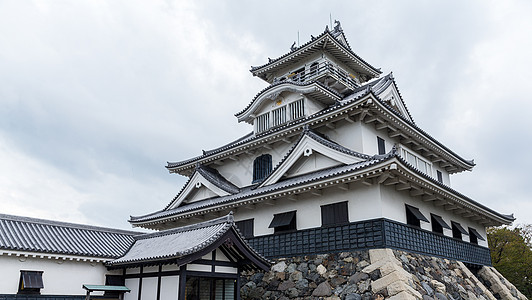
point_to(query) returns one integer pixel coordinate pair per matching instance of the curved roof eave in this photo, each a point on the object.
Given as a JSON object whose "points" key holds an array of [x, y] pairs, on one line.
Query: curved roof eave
{"points": [[272, 91], [505, 219], [371, 70]]}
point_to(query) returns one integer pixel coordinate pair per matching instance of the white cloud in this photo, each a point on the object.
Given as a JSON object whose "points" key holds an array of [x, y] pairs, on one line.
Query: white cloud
{"points": [[96, 96]]}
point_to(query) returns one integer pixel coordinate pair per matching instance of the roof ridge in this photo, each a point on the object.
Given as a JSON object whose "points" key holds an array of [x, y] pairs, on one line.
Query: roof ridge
{"points": [[229, 219], [316, 39], [208, 173], [16, 218]]}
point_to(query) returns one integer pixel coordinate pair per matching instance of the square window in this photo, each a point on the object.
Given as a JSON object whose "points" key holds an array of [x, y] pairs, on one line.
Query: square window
{"points": [[30, 282], [334, 214]]}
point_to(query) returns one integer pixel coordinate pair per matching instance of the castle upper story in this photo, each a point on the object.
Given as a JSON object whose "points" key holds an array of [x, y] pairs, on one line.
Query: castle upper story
{"points": [[329, 135]]}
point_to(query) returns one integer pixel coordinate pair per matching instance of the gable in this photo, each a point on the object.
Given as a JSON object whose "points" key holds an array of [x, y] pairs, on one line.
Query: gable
{"points": [[196, 189], [309, 155], [307, 164], [392, 98], [268, 98]]}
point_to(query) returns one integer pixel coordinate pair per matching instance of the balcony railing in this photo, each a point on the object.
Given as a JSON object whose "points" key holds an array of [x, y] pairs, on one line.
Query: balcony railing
{"points": [[323, 70]]}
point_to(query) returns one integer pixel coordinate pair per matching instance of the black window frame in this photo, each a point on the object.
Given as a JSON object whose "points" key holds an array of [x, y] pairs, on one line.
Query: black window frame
{"points": [[262, 167], [414, 216], [458, 230], [439, 174], [474, 236], [284, 222], [438, 224], [30, 282], [246, 227], [335, 214], [381, 145]]}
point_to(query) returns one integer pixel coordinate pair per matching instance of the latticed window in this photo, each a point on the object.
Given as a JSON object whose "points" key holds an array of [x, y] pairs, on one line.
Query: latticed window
{"points": [[297, 110], [262, 122], [279, 116], [262, 166]]}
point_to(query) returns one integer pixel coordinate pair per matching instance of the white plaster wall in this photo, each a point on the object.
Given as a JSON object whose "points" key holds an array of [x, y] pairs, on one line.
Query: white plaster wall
{"points": [[240, 172], [201, 268], [220, 269], [363, 202], [220, 256], [59, 278], [133, 285], [132, 270], [150, 269], [149, 288], [346, 134], [393, 205], [170, 268], [308, 164], [169, 287]]}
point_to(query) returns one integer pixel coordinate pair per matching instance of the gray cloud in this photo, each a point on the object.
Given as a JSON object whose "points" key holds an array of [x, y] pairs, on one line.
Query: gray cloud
{"points": [[96, 96]]}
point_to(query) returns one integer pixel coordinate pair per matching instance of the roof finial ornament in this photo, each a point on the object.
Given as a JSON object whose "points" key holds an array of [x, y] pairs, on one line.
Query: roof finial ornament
{"points": [[293, 47], [337, 26]]}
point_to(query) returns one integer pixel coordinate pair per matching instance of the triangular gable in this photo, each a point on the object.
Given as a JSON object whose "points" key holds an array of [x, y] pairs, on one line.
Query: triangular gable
{"points": [[311, 163], [390, 95], [309, 144], [197, 188]]}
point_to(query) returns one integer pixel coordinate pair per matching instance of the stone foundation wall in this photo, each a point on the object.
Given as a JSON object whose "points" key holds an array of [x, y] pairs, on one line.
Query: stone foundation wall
{"points": [[375, 274]]}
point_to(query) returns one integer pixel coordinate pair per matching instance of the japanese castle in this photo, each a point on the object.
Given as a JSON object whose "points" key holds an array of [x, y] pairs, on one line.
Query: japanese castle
{"points": [[334, 162]]}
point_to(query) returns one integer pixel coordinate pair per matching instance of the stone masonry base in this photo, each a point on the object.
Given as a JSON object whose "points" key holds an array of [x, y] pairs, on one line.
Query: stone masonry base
{"points": [[375, 274]]}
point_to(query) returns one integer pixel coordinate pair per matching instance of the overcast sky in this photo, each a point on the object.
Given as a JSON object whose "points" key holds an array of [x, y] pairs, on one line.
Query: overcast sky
{"points": [[96, 96]]}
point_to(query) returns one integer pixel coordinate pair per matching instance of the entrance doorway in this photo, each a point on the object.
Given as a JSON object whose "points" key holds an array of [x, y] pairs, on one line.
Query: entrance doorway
{"points": [[205, 288]]}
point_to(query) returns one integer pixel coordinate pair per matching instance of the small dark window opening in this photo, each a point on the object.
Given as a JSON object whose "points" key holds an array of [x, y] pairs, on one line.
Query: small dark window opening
{"points": [[414, 216], [440, 176], [30, 282], [474, 236], [334, 214], [284, 222], [245, 227], [313, 69], [436, 227], [381, 146], [458, 230], [115, 280], [438, 224], [262, 166]]}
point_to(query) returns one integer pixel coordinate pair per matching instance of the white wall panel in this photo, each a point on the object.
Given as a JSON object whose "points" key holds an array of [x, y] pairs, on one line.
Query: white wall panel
{"points": [[149, 288], [169, 287], [133, 285]]}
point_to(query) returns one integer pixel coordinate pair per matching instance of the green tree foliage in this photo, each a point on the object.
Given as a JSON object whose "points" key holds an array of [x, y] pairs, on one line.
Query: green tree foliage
{"points": [[511, 255]]}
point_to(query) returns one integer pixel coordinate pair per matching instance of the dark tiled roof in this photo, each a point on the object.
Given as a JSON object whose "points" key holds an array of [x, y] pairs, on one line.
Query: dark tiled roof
{"points": [[348, 100], [301, 84], [328, 33], [45, 236], [508, 218], [181, 242], [249, 192], [333, 145], [242, 140], [214, 177], [320, 139]]}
